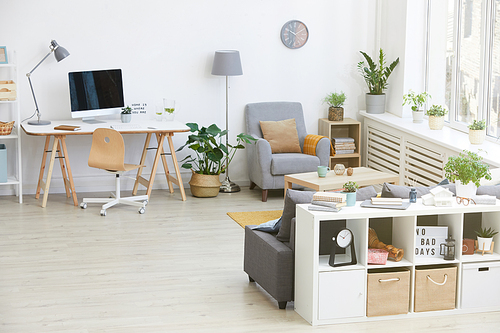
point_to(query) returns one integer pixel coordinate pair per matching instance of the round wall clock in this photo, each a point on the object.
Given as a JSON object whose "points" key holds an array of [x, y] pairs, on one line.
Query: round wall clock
{"points": [[294, 34]]}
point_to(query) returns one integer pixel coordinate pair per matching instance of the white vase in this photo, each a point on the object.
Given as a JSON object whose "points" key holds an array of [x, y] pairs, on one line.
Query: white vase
{"points": [[418, 116], [484, 241], [465, 191], [126, 118], [375, 103]]}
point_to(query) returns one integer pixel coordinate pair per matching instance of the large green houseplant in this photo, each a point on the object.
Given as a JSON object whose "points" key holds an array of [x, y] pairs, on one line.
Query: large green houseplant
{"points": [[466, 170], [376, 76], [210, 157]]}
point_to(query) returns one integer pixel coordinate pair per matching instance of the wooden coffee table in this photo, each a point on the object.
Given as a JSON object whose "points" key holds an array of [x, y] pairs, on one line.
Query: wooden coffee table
{"points": [[362, 176]]}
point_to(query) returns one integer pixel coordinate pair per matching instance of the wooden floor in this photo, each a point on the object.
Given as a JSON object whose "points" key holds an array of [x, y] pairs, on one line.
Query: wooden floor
{"points": [[177, 268]]}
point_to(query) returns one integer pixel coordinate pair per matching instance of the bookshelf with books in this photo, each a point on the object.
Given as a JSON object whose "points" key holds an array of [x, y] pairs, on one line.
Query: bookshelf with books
{"points": [[346, 140]]}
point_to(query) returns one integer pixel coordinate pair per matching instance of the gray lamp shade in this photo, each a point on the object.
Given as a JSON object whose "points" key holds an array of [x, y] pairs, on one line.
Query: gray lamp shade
{"points": [[227, 63], [59, 52]]}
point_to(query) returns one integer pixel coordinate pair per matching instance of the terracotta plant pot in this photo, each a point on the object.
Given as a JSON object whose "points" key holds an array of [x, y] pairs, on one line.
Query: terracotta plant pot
{"points": [[204, 186], [335, 114]]}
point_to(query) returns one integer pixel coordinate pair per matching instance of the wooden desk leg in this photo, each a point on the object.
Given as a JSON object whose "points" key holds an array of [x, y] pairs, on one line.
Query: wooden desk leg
{"points": [[155, 164], [138, 178], [42, 167], [49, 172], [176, 167], [60, 157], [70, 176], [165, 167], [288, 185]]}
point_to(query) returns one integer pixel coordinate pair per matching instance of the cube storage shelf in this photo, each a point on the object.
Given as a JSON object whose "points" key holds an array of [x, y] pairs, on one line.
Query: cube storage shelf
{"points": [[329, 295], [347, 128]]}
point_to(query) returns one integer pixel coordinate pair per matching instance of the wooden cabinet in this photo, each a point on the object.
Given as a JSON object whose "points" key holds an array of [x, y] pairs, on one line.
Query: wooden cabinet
{"points": [[339, 129]]}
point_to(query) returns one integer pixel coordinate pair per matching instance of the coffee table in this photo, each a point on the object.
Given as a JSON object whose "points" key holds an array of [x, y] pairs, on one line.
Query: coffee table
{"points": [[362, 176]]}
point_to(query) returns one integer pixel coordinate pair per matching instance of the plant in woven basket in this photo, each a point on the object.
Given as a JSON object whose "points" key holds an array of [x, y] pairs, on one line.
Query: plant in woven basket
{"points": [[350, 187], [477, 125], [437, 111], [467, 167], [335, 99], [486, 233]]}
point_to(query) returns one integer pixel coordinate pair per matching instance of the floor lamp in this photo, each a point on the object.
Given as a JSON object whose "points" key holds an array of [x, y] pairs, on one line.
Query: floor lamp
{"points": [[227, 63], [60, 53]]}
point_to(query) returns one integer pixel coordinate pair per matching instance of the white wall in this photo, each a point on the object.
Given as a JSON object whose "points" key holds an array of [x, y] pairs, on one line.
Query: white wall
{"points": [[166, 48]]}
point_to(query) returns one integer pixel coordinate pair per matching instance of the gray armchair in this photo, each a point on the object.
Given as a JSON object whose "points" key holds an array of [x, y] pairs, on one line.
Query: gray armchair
{"points": [[267, 170]]}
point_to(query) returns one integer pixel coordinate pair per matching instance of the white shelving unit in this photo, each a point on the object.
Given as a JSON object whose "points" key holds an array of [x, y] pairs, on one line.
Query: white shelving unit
{"points": [[9, 111], [329, 295]]}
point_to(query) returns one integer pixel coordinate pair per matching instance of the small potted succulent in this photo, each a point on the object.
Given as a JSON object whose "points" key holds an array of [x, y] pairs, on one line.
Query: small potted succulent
{"points": [[417, 102], [126, 114], [466, 170], [477, 132], [484, 238], [436, 115], [350, 190], [335, 101]]}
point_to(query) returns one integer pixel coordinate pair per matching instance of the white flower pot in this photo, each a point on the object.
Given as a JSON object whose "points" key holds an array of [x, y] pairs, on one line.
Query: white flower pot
{"points": [[486, 242], [418, 116], [476, 137], [375, 103], [126, 118], [465, 191]]}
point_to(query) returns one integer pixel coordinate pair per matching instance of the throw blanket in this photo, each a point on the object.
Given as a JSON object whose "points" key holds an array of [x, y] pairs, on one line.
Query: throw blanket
{"points": [[311, 141]]}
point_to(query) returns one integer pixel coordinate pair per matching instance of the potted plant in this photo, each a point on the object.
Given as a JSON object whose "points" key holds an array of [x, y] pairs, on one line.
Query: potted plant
{"points": [[466, 170], [126, 114], [417, 102], [477, 132], [484, 238], [335, 101], [376, 77], [350, 190], [436, 115], [209, 159]]}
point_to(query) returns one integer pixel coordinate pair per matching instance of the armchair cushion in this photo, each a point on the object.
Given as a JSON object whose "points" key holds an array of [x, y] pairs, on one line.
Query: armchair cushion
{"points": [[282, 136], [293, 197], [285, 164]]}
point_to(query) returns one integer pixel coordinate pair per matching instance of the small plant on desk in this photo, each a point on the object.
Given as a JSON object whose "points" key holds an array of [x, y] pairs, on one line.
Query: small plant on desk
{"points": [[127, 110], [350, 187]]}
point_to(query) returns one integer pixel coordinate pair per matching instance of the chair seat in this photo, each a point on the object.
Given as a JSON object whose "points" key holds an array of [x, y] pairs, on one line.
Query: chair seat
{"points": [[127, 167], [288, 163]]}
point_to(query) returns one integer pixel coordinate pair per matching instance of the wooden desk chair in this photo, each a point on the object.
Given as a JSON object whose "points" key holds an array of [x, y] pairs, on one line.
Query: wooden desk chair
{"points": [[108, 153]]}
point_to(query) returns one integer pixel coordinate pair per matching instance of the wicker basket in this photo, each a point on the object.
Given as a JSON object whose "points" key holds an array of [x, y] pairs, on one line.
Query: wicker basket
{"points": [[436, 123], [476, 137], [6, 128]]}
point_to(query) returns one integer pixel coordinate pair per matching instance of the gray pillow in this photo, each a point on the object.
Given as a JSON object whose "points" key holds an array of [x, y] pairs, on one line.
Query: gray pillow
{"points": [[400, 191], [365, 193], [489, 190], [293, 197]]}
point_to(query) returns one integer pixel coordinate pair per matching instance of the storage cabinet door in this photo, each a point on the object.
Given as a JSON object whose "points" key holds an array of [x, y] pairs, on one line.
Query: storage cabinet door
{"points": [[480, 287], [341, 294]]}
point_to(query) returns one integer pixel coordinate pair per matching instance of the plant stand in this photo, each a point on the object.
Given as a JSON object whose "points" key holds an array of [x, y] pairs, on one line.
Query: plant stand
{"points": [[476, 250]]}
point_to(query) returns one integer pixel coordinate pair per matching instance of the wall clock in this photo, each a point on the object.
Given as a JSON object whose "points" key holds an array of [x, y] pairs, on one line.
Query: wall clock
{"points": [[343, 240], [294, 34]]}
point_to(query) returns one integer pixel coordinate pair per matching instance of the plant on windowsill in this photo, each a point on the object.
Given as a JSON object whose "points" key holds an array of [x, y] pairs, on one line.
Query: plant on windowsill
{"points": [[211, 157], [466, 170], [376, 76], [436, 115], [126, 114], [335, 101], [477, 132], [417, 102], [350, 190], [485, 238]]}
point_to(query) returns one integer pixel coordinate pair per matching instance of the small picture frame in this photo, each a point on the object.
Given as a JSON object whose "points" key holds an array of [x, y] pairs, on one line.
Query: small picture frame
{"points": [[3, 55]]}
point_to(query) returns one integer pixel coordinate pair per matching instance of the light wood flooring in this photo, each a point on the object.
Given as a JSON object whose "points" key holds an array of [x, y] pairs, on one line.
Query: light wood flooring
{"points": [[177, 268]]}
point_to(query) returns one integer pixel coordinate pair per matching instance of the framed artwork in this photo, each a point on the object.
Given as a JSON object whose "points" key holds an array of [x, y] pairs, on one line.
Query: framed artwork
{"points": [[3, 54]]}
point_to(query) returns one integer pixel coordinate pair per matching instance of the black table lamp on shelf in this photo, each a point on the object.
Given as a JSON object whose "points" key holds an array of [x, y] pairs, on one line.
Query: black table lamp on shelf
{"points": [[60, 53]]}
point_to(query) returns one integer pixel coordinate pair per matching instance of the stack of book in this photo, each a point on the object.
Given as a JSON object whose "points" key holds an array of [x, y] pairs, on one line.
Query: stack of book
{"points": [[328, 201], [343, 145], [387, 201]]}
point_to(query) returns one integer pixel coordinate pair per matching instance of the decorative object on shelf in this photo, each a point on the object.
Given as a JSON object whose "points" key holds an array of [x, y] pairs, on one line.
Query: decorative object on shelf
{"points": [[376, 76], [6, 128], [467, 246], [60, 53], [168, 109], [418, 101], [465, 201], [8, 90], [126, 114], [343, 146], [447, 249], [3, 55], [477, 132], [485, 239], [227, 63], [335, 101], [413, 195], [428, 240], [377, 256], [322, 171], [439, 197], [210, 152], [466, 170], [294, 34], [350, 191], [374, 243], [343, 240], [436, 115], [350, 171], [339, 169]]}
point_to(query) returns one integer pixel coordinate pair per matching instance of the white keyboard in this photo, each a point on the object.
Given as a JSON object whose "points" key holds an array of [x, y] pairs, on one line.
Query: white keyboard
{"points": [[126, 126]]}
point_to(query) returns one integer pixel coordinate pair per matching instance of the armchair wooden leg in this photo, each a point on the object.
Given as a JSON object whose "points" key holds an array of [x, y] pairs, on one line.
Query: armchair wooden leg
{"points": [[264, 195], [252, 185]]}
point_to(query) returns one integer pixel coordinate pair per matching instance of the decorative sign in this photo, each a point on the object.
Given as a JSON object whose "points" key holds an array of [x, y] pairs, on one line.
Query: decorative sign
{"points": [[140, 110], [427, 241]]}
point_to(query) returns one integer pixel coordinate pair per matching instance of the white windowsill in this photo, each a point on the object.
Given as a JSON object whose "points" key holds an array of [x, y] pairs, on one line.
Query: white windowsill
{"points": [[447, 137]]}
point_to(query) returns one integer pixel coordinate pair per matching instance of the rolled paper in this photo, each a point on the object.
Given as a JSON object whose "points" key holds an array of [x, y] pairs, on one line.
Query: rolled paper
{"points": [[374, 243]]}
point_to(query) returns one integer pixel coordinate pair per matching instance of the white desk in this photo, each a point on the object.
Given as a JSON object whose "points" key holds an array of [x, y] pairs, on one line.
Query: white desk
{"points": [[160, 129]]}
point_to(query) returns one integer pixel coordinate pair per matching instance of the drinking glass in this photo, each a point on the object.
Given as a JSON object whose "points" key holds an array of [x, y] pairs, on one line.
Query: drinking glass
{"points": [[168, 109]]}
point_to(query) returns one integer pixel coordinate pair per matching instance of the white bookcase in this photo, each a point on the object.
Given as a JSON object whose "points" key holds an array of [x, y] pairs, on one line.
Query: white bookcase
{"points": [[10, 111], [328, 295]]}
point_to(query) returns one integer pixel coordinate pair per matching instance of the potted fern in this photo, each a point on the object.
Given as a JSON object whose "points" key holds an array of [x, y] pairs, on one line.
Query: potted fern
{"points": [[485, 238], [335, 101], [466, 170], [436, 115], [477, 132], [126, 114], [416, 101], [376, 76], [350, 190]]}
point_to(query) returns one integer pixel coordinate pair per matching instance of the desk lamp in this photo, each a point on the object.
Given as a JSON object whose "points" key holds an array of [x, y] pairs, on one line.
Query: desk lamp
{"points": [[227, 63], [60, 53]]}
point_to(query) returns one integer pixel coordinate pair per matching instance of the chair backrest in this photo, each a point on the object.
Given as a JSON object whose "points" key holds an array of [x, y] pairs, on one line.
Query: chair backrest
{"points": [[274, 111], [108, 150]]}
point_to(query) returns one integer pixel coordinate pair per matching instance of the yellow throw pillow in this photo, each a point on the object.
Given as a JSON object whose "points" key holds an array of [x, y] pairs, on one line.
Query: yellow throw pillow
{"points": [[282, 136]]}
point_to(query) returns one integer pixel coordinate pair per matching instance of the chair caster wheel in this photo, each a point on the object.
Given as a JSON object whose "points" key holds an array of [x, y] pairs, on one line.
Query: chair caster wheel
{"points": [[145, 202], [142, 210], [83, 205], [103, 212]]}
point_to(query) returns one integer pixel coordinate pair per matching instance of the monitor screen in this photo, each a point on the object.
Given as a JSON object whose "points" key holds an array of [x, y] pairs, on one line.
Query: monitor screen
{"points": [[95, 93]]}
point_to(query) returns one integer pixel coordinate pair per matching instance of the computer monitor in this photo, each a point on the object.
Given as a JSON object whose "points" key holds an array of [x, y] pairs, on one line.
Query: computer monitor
{"points": [[95, 93]]}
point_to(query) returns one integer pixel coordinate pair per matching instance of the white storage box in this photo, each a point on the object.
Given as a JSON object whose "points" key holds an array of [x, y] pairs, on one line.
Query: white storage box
{"points": [[480, 284]]}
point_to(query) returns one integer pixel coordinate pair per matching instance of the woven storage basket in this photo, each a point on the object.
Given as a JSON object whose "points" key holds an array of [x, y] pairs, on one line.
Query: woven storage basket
{"points": [[476, 137], [436, 123], [6, 128]]}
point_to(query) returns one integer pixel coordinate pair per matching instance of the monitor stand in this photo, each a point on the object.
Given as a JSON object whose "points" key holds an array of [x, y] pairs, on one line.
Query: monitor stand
{"points": [[92, 120]]}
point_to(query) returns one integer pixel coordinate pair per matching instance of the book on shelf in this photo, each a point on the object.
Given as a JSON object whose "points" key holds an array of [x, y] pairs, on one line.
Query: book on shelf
{"points": [[342, 151], [329, 196], [387, 201], [342, 140], [345, 145], [328, 204]]}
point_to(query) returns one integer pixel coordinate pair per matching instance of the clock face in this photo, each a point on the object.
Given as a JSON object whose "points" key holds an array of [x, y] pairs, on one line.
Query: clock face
{"points": [[294, 34], [344, 238]]}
